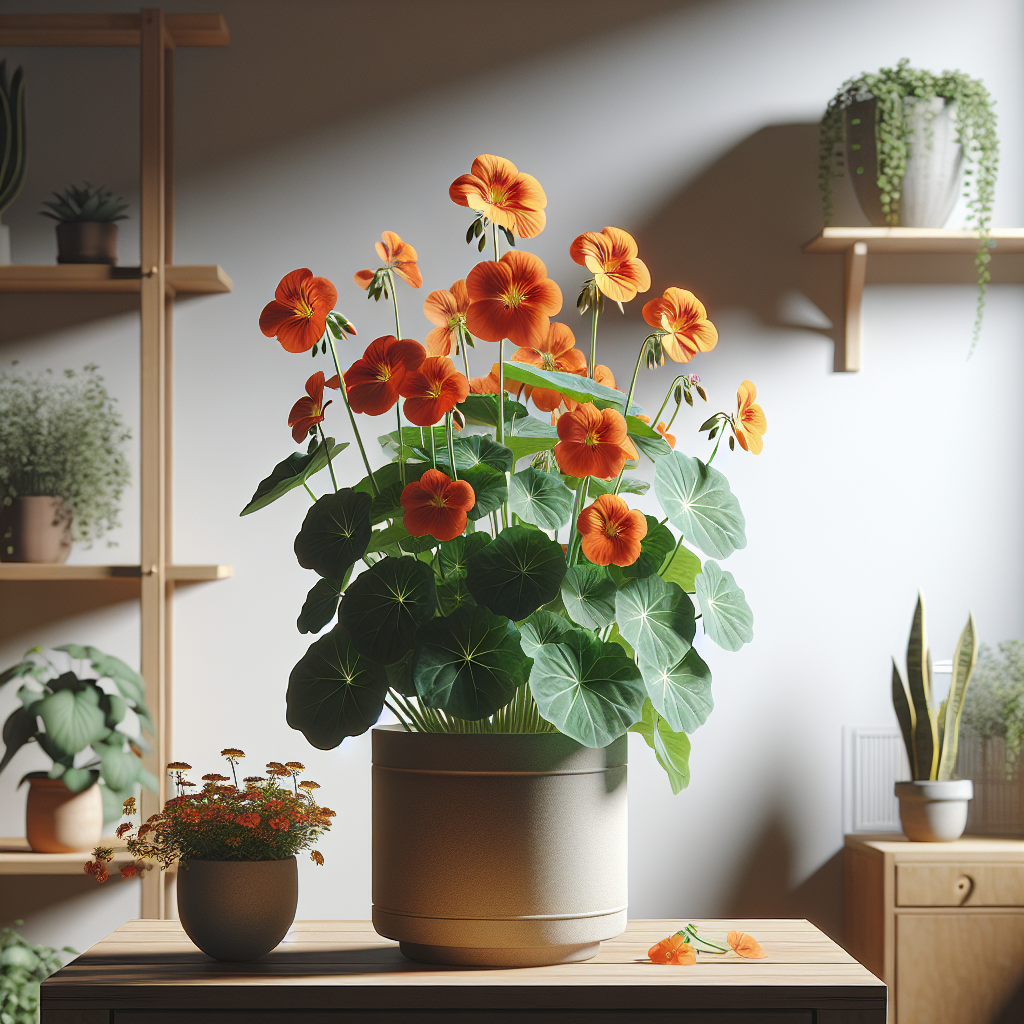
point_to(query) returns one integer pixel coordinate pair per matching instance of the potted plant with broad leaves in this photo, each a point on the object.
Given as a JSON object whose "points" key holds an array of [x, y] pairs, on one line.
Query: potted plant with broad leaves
{"points": [[235, 842], [62, 463], [86, 219], [933, 806], [23, 965], [511, 609], [12, 148], [87, 711]]}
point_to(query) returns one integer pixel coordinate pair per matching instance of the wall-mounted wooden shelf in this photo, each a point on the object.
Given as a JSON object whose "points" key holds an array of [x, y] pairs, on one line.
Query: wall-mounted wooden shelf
{"points": [[109, 29], [856, 243], [98, 278], [174, 573], [18, 858]]}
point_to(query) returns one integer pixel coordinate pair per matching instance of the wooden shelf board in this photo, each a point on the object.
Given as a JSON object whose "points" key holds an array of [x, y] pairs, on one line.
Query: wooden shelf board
{"points": [[97, 277], [175, 573], [914, 240], [108, 29], [18, 858]]}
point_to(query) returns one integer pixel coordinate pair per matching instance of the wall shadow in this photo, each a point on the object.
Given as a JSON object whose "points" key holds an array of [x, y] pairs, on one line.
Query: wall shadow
{"points": [[29, 605], [29, 316]]}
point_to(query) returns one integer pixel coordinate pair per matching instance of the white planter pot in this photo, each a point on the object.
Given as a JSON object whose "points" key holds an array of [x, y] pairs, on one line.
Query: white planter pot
{"points": [[934, 812], [502, 850]]}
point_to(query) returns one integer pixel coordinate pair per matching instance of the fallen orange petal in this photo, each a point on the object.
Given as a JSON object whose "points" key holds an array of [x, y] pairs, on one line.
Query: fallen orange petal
{"points": [[673, 950], [745, 945]]}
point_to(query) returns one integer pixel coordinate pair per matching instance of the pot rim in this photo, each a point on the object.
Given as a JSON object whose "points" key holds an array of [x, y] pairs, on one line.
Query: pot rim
{"points": [[935, 789]]}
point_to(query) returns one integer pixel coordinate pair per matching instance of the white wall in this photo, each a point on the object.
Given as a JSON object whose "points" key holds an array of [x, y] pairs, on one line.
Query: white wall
{"points": [[691, 124]]}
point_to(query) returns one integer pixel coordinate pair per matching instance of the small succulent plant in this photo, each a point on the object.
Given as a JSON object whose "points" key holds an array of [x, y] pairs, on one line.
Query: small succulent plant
{"points": [[86, 204]]}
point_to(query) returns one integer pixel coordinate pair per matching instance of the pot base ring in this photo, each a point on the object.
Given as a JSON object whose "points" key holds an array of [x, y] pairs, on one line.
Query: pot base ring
{"points": [[522, 956]]}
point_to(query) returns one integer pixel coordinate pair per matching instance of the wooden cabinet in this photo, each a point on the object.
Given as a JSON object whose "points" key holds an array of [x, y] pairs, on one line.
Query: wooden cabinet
{"points": [[942, 924]]}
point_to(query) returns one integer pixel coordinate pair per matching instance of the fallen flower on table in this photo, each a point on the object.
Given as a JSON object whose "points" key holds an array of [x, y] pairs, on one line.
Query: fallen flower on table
{"points": [[673, 950], [745, 945]]}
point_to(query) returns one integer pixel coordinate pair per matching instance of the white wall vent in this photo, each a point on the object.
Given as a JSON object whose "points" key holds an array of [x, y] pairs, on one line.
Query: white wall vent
{"points": [[874, 760]]}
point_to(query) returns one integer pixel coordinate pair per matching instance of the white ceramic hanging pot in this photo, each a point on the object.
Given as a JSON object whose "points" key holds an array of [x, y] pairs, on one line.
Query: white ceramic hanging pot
{"points": [[500, 850], [934, 812]]}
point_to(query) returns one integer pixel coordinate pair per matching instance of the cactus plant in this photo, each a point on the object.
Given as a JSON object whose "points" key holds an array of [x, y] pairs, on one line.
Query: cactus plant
{"points": [[931, 736], [12, 135], [95, 205]]}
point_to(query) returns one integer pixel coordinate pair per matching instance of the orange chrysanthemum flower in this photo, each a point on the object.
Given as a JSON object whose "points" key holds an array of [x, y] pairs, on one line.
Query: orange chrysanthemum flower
{"points": [[673, 950], [298, 315], [500, 191], [437, 505], [611, 531], [611, 257], [661, 429], [373, 381], [434, 388], [489, 385], [592, 442], [447, 309], [556, 352], [513, 298], [745, 945], [750, 419], [683, 315], [308, 412], [398, 256]]}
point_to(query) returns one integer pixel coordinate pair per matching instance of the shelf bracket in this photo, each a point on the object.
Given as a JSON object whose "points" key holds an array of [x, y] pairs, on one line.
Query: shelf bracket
{"points": [[848, 348]]}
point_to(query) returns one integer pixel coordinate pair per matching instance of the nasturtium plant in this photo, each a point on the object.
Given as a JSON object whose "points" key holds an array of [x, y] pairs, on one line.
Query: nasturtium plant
{"points": [[494, 573]]}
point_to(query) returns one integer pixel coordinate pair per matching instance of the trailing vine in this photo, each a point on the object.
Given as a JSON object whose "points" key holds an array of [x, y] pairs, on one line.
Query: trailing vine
{"points": [[976, 132]]}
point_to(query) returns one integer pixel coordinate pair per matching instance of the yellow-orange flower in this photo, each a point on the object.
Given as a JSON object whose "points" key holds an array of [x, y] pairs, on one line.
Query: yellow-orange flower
{"points": [[297, 316], [501, 192], [750, 419], [513, 298], [611, 531], [611, 256], [447, 309], [673, 950], [489, 385], [398, 256], [684, 317], [592, 442], [661, 429], [556, 352], [745, 945]]}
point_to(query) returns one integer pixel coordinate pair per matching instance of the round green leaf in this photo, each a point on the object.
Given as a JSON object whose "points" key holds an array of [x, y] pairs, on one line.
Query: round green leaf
{"points": [[680, 693], [119, 767], [334, 692], [320, 605], [490, 487], [540, 498], [697, 501], [475, 450], [589, 689], [672, 749], [657, 619], [654, 549], [727, 617], [383, 607], [589, 596], [517, 573], [543, 627], [682, 568], [334, 533], [73, 717], [453, 555], [469, 664]]}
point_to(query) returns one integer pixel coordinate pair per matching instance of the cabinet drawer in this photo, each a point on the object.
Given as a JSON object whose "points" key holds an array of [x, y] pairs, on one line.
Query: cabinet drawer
{"points": [[960, 885]]}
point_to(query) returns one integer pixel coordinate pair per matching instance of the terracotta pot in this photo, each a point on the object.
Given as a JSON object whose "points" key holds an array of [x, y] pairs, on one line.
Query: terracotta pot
{"points": [[503, 850], [59, 821], [238, 910], [35, 529], [934, 812], [87, 241]]}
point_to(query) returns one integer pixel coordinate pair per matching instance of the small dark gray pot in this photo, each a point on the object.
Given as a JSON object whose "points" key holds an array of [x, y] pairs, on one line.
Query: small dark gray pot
{"points": [[87, 241], [238, 910]]}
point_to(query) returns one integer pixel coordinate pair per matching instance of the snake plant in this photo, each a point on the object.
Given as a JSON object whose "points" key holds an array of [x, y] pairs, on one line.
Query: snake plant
{"points": [[12, 135]]}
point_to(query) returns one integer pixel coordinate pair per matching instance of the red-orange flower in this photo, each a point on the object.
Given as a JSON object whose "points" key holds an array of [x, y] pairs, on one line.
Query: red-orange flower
{"points": [[605, 376], [307, 413], [373, 381], [434, 388], [673, 950], [250, 820], [661, 429], [513, 298], [592, 442], [611, 531], [489, 385], [611, 257], [683, 315], [398, 256], [499, 190], [447, 309], [556, 352], [437, 505], [745, 945], [298, 315], [750, 419]]}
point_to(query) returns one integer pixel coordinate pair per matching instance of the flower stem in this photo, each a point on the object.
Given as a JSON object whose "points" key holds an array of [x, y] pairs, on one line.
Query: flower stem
{"points": [[394, 299], [463, 346], [501, 416], [593, 342], [577, 504], [494, 238], [721, 434], [327, 451], [401, 441], [632, 383], [308, 491], [668, 395], [351, 416], [433, 451], [448, 434]]}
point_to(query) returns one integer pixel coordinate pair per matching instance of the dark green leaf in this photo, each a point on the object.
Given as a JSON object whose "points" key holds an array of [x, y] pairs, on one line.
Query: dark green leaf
{"points": [[654, 549], [73, 717], [475, 450], [482, 410], [292, 472], [334, 533], [19, 729], [589, 596], [523, 446], [543, 627], [388, 503], [320, 605], [490, 487], [454, 555], [629, 485], [531, 427], [517, 573], [396, 533], [540, 498]]}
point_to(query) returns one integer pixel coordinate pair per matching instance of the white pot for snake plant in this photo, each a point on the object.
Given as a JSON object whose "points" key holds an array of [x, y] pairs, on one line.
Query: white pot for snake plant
{"points": [[934, 812]]}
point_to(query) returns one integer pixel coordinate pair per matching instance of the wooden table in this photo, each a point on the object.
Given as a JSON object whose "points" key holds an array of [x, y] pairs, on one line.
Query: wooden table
{"points": [[148, 972]]}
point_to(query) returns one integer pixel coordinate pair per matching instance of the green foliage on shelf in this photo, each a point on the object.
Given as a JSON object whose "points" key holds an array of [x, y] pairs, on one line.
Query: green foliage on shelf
{"points": [[87, 203], [995, 706], [22, 967], [12, 135]]}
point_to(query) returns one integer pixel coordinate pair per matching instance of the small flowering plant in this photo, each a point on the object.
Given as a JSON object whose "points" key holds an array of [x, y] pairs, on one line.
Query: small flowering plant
{"points": [[267, 817], [491, 575]]}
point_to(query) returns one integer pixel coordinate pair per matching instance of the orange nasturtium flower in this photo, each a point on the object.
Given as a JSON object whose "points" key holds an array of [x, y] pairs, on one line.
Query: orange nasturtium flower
{"points": [[298, 315], [611, 257], [434, 388], [673, 950], [373, 381], [437, 505], [611, 531], [661, 429], [592, 442], [684, 317], [308, 412], [489, 385], [398, 256], [750, 419], [556, 352], [513, 298], [745, 945], [447, 309], [501, 192]]}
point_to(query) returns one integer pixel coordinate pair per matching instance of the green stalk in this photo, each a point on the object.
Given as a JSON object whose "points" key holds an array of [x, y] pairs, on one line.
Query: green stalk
{"points": [[308, 491], [433, 452], [327, 450], [394, 299], [668, 395], [448, 433], [462, 344], [593, 343], [632, 383], [576, 506], [351, 416], [501, 417], [721, 434]]}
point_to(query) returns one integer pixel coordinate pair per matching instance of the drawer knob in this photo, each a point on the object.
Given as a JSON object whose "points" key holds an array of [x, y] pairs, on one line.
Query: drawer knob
{"points": [[964, 885]]}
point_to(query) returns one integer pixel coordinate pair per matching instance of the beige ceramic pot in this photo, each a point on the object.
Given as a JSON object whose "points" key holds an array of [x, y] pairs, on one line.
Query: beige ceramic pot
{"points": [[59, 821], [504, 850], [34, 529], [87, 242], [238, 910], [934, 812]]}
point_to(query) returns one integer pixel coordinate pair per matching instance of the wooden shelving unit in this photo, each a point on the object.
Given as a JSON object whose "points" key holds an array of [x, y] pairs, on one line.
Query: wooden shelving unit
{"points": [[157, 282], [856, 243], [16, 858]]}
